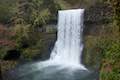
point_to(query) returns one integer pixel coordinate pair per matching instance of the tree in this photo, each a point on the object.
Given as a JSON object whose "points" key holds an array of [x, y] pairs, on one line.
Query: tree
{"points": [[45, 11], [115, 4], [37, 12], [6, 10], [22, 12]]}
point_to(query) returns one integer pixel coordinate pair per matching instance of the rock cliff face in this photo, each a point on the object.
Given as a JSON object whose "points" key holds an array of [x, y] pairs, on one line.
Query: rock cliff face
{"points": [[96, 16], [98, 13], [95, 10]]}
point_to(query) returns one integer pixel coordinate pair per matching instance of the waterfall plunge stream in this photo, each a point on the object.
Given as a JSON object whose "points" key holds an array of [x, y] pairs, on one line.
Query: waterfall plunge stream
{"points": [[69, 46], [65, 60]]}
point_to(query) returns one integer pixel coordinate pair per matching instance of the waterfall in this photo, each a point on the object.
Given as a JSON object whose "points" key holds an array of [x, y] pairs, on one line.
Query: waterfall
{"points": [[65, 60], [69, 46]]}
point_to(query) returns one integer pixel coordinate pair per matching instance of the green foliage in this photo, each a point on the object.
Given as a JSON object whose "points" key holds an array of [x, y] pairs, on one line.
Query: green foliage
{"points": [[111, 61], [92, 52], [37, 12], [22, 12], [30, 52], [2, 52], [82, 3], [29, 41], [110, 45], [29, 15], [41, 17], [109, 76], [115, 4], [44, 11], [24, 38], [6, 10], [25, 34]]}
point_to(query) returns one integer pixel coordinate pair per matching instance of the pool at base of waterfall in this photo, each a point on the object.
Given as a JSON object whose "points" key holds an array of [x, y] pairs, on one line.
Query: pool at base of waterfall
{"points": [[55, 73]]}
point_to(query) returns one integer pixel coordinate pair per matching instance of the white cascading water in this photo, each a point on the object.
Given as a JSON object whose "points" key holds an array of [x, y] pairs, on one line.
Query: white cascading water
{"points": [[69, 46]]}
